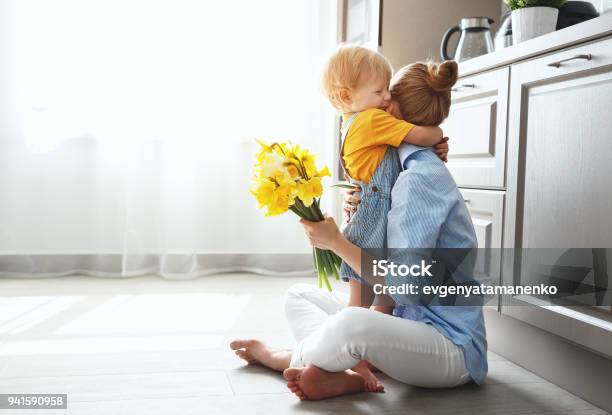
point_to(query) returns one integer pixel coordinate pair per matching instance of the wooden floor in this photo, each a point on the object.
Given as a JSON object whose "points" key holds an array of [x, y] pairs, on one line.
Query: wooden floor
{"points": [[150, 346]]}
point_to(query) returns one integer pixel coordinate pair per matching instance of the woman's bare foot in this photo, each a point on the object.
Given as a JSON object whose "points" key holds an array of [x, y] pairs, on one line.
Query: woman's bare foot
{"points": [[256, 352], [313, 383]]}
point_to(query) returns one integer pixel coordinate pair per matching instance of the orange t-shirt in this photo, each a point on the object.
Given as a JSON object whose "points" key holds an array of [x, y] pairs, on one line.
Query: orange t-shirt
{"points": [[366, 143]]}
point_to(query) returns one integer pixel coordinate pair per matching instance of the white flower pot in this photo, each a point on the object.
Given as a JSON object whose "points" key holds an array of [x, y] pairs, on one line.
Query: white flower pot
{"points": [[532, 22]]}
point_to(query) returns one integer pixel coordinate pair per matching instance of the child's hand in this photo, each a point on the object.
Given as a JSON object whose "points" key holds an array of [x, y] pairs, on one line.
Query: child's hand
{"points": [[350, 203], [442, 149]]}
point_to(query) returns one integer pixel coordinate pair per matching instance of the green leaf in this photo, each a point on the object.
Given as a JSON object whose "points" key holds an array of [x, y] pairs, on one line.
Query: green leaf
{"points": [[346, 186], [316, 211], [521, 4]]}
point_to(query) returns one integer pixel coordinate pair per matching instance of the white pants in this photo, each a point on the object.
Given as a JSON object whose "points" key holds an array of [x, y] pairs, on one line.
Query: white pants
{"points": [[335, 337]]}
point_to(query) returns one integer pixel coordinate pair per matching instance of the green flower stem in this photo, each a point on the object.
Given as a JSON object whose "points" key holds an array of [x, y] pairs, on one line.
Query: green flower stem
{"points": [[316, 210], [337, 259], [314, 259], [328, 269], [304, 211], [337, 263], [295, 209], [319, 266], [326, 262]]}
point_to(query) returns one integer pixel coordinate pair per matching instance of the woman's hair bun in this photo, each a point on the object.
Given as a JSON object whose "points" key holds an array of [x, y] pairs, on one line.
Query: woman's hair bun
{"points": [[442, 77]]}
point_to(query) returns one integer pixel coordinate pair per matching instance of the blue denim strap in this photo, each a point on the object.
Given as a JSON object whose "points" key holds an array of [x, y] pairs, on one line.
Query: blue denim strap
{"points": [[344, 133]]}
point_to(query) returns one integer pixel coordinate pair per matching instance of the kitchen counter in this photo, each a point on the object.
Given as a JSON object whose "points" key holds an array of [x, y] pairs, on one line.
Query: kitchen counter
{"points": [[580, 33]]}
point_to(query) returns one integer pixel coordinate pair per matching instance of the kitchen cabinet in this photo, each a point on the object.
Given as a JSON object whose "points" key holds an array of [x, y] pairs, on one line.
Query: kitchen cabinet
{"points": [[477, 128], [531, 145], [559, 201], [486, 208]]}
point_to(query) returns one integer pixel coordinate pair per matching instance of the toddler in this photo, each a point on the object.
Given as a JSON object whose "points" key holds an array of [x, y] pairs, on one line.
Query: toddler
{"points": [[356, 82]]}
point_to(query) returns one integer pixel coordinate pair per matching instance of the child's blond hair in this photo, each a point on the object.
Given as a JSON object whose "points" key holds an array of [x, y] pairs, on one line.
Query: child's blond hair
{"points": [[348, 66], [423, 91]]}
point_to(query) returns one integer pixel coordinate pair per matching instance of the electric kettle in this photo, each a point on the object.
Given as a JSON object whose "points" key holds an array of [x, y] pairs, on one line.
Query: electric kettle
{"points": [[475, 39], [503, 38]]}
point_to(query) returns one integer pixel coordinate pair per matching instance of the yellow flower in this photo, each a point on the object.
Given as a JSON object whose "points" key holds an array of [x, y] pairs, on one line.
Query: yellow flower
{"points": [[277, 198], [284, 196], [309, 190], [293, 171], [283, 172], [264, 192], [308, 161], [272, 165], [285, 149], [323, 172], [265, 149]]}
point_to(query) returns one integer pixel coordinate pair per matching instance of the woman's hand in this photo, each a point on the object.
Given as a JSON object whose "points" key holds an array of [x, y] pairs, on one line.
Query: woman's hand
{"points": [[324, 234], [350, 202], [442, 149]]}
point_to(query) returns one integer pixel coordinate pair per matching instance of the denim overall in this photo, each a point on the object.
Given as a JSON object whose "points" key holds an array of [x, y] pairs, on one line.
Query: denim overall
{"points": [[367, 228]]}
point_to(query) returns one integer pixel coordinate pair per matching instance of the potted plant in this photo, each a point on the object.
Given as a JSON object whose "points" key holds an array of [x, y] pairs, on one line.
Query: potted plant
{"points": [[533, 18]]}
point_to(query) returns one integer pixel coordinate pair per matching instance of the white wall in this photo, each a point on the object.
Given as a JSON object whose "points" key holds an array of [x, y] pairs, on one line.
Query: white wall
{"points": [[42, 192]]}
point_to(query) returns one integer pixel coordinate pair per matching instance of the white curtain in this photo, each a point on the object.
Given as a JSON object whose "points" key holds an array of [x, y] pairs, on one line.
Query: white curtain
{"points": [[127, 132]]}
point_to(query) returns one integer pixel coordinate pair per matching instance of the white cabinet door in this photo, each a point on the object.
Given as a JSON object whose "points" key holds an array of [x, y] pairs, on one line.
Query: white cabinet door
{"points": [[477, 128], [560, 187], [487, 211]]}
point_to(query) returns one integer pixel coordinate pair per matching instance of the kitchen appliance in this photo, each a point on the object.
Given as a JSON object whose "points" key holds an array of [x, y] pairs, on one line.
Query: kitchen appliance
{"points": [[475, 39], [574, 12], [503, 37]]}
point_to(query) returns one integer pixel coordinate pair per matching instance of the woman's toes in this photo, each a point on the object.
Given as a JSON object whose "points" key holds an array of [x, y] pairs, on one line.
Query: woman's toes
{"points": [[292, 373], [295, 389], [234, 345], [240, 344], [243, 354]]}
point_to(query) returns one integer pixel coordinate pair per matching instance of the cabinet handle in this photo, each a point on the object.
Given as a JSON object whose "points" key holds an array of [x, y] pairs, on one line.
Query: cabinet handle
{"points": [[463, 86], [557, 64]]}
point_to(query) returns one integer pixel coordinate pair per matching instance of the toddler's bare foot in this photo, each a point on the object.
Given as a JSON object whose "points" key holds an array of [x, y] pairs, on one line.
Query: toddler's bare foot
{"points": [[372, 384], [313, 383], [256, 352]]}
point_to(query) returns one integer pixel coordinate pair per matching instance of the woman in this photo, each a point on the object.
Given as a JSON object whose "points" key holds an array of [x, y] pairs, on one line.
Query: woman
{"points": [[421, 344]]}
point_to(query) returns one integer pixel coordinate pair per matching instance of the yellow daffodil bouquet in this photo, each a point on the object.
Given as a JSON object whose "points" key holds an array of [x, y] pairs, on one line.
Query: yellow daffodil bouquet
{"points": [[286, 178]]}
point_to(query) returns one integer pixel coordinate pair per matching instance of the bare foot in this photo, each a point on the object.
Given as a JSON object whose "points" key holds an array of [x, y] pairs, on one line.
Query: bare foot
{"points": [[313, 383], [370, 366], [256, 352], [372, 384]]}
